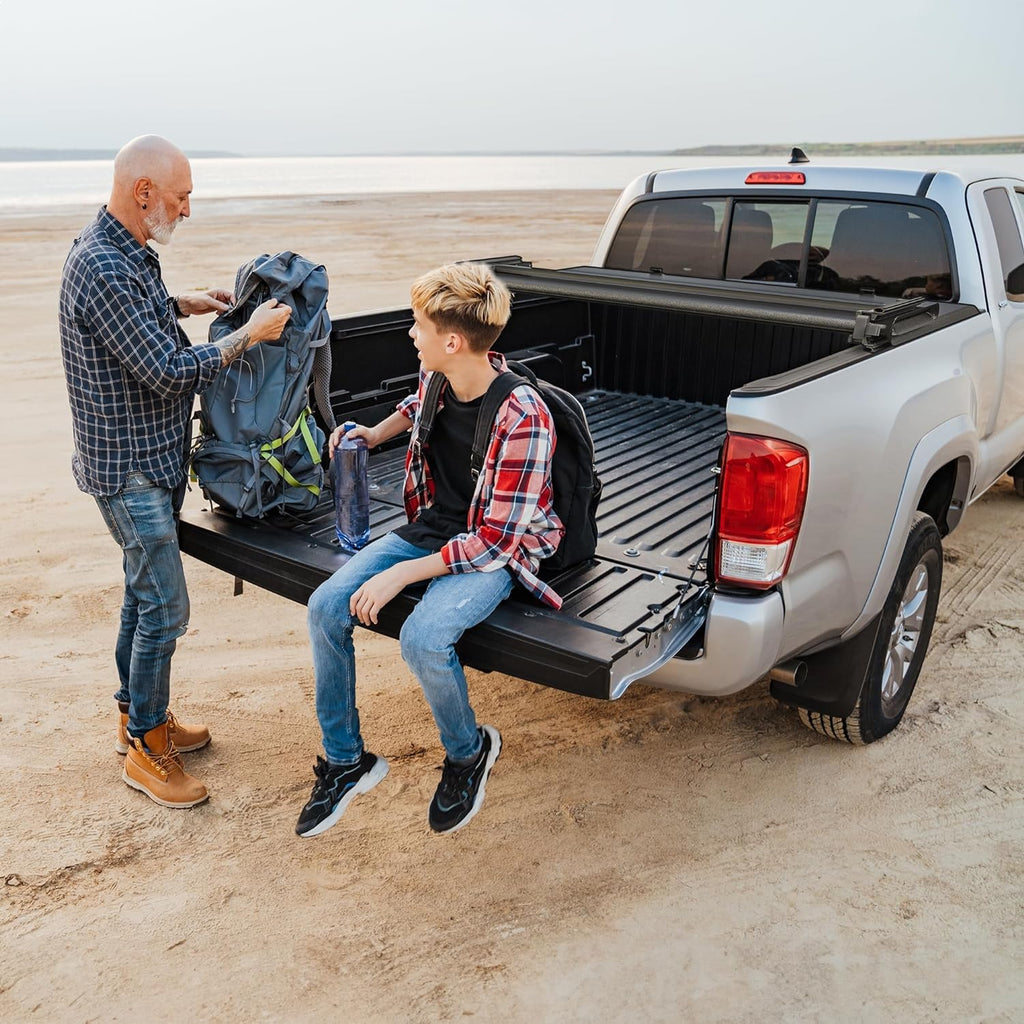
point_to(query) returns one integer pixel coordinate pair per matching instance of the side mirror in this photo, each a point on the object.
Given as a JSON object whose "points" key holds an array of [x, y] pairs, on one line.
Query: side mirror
{"points": [[1015, 284]]}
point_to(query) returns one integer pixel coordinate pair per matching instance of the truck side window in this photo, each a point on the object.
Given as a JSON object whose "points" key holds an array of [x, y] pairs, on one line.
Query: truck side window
{"points": [[1011, 249], [766, 241], [887, 249], [676, 236]]}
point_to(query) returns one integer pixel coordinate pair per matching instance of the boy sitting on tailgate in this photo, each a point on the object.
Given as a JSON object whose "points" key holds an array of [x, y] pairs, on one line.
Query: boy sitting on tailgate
{"points": [[471, 539]]}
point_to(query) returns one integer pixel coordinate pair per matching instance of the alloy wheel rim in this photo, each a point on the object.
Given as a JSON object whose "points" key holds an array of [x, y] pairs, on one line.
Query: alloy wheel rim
{"points": [[905, 637]]}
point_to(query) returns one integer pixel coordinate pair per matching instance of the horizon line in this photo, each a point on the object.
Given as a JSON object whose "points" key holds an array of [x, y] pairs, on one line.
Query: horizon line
{"points": [[31, 153]]}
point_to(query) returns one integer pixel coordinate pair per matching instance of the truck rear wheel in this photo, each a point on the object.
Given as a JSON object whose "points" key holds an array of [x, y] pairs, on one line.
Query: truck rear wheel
{"points": [[1016, 472], [900, 644]]}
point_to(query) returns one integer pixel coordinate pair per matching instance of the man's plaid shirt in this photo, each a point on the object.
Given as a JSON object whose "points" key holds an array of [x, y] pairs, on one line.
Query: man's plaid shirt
{"points": [[511, 521], [131, 372]]}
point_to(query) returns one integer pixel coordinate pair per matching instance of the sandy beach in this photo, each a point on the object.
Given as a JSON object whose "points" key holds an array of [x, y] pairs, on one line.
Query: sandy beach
{"points": [[661, 858]]}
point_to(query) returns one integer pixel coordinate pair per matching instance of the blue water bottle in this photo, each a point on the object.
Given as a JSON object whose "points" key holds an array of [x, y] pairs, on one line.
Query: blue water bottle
{"points": [[351, 492]]}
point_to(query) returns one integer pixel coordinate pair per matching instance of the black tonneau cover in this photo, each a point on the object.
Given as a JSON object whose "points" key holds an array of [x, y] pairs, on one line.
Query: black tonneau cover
{"points": [[895, 320]]}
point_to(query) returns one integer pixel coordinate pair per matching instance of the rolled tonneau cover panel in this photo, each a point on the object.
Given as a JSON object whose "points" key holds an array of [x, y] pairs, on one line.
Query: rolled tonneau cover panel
{"points": [[740, 300]]}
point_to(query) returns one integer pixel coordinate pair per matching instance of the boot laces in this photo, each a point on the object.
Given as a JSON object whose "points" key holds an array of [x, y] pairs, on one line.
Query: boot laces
{"points": [[169, 761]]}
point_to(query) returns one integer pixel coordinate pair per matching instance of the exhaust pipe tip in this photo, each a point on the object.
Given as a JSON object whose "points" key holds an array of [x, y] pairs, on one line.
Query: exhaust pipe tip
{"points": [[789, 673]]}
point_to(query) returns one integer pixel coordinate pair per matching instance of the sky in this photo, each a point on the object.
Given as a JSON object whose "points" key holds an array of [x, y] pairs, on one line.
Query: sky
{"points": [[333, 77]]}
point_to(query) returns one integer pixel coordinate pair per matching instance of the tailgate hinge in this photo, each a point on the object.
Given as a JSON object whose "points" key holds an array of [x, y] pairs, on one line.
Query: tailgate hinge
{"points": [[661, 642]]}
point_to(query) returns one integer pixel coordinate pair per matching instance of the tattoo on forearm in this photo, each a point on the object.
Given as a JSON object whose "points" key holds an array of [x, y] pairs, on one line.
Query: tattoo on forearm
{"points": [[233, 346]]}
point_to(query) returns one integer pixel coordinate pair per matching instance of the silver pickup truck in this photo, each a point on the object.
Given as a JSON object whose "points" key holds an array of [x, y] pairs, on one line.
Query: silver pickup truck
{"points": [[797, 379]]}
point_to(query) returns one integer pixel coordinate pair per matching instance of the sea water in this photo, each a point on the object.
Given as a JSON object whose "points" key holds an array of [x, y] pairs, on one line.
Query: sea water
{"points": [[32, 187]]}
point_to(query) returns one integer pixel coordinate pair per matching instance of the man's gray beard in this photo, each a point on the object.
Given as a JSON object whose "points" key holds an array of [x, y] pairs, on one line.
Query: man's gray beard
{"points": [[160, 228]]}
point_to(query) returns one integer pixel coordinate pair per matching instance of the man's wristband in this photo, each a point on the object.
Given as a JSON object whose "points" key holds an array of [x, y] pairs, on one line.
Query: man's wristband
{"points": [[178, 312]]}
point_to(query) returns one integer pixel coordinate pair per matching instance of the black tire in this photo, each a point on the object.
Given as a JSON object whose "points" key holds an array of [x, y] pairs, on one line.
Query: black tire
{"points": [[1018, 485], [904, 631]]}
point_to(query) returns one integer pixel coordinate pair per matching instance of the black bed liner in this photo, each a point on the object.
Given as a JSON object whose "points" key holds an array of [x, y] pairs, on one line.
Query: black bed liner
{"points": [[636, 604]]}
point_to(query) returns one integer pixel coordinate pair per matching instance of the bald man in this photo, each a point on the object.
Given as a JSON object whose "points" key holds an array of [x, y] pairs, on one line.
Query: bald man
{"points": [[132, 376]]}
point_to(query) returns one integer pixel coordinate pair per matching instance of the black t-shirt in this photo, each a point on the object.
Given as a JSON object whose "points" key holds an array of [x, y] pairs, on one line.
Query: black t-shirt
{"points": [[448, 459]]}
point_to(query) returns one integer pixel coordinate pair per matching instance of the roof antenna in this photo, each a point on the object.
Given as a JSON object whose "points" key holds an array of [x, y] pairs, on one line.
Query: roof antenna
{"points": [[798, 156]]}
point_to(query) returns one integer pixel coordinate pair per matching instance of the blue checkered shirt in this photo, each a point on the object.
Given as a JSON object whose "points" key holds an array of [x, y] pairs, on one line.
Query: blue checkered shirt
{"points": [[131, 371]]}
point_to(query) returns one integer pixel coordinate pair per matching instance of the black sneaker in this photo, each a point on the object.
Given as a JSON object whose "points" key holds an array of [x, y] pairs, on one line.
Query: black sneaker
{"points": [[334, 789], [461, 790]]}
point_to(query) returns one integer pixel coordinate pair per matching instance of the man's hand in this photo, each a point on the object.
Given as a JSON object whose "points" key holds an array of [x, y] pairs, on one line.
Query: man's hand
{"points": [[268, 320], [215, 300], [266, 324], [368, 600]]}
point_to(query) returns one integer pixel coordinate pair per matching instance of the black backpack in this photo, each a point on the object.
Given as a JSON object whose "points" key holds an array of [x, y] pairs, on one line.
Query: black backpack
{"points": [[577, 488]]}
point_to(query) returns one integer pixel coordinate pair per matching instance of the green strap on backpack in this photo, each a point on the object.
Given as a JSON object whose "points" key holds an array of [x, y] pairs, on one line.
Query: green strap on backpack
{"points": [[267, 451]]}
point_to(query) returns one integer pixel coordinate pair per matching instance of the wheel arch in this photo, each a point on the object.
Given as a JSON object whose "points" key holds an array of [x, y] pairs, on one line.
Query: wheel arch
{"points": [[944, 495], [952, 443]]}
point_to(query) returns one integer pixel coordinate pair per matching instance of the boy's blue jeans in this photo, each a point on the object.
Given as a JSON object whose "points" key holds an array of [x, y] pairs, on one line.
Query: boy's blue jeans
{"points": [[450, 606], [155, 609]]}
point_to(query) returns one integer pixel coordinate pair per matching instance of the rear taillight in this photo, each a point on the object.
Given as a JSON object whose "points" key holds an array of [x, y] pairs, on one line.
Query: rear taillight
{"points": [[760, 507]]}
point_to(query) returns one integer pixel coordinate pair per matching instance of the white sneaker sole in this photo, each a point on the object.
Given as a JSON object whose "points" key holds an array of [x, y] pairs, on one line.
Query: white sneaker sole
{"points": [[488, 765], [163, 803], [376, 774]]}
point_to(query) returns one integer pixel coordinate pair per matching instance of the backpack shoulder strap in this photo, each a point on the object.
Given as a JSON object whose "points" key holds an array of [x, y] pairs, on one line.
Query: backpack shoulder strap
{"points": [[428, 407], [501, 387], [523, 370]]}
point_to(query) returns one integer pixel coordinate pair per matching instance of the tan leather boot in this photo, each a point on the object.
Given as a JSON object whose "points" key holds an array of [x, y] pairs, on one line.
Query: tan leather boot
{"points": [[184, 737], [154, 767]]}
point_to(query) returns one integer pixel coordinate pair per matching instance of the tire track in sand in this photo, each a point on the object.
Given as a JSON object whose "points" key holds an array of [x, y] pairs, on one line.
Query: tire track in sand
{"points": [[961, 597]]}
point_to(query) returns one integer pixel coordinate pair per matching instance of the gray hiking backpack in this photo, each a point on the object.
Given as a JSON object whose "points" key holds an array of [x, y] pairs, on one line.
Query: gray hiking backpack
{"points": [[260, 446]]}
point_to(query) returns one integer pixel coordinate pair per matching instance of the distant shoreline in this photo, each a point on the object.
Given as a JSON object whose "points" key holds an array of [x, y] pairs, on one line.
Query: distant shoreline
{"points": [[926, 147], [27, 155]]}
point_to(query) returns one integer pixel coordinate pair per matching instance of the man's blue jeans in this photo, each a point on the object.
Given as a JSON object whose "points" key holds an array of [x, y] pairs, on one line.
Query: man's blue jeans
{"points": [[449, 607], [154, 612]]}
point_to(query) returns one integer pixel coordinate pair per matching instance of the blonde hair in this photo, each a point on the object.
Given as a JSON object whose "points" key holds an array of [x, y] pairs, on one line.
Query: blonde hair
{"points": [[466, 298]]}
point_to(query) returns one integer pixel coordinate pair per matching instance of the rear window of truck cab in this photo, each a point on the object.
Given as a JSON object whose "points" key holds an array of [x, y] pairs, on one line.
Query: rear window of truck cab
{"points": [[854, 246]]}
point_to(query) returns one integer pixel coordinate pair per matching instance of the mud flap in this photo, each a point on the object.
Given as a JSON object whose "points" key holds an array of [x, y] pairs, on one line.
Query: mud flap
{"points": [[834, 676]]}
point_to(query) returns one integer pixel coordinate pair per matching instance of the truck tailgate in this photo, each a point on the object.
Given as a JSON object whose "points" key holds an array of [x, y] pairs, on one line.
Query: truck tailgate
{"points": [[630, 609]]}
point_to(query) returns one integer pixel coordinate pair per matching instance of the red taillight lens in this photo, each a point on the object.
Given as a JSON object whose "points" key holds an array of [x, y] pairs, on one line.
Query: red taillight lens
{"points": [[776, 178], [761, 505]]}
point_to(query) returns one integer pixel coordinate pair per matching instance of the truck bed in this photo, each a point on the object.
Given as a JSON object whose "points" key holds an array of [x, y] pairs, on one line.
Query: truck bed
{"points": [[638, 602], [654, 363]]}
